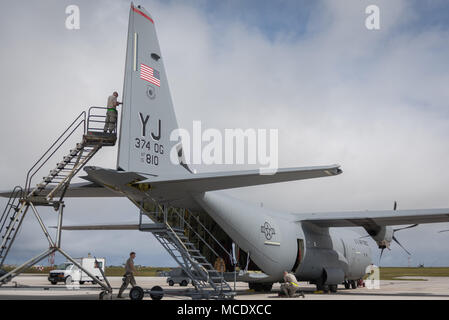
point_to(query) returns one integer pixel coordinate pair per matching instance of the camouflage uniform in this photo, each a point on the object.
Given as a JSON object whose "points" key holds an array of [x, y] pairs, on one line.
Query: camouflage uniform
{"points": [[290, 286], [111, 114], [128, 277]]}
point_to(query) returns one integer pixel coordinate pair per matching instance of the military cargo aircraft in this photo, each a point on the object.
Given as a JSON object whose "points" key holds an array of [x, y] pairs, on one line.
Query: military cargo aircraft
{"points": [[316, 247]]}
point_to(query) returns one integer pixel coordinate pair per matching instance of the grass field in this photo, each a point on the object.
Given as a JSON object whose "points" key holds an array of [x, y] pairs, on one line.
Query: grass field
{"points": [[110, 271], [392, 273]]}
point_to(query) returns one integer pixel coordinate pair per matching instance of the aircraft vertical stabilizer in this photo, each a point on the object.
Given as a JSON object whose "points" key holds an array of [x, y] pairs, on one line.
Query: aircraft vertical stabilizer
{"points": [[148, 116]]}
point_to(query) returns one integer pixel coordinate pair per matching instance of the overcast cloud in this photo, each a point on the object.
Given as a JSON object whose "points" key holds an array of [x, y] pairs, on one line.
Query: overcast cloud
{"points": [[375, 102]]}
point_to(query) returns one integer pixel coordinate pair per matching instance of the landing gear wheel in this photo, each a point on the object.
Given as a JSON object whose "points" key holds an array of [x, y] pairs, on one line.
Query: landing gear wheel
{"points": [[353, 284], [81, 282], [347, 285], [260, 287], [320, 287], [333, 288], [157, 293], [266, 287], [136, 293]]}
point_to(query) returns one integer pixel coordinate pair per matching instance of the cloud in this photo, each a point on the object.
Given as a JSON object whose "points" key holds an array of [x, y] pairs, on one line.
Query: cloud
{"points": [[373, 101]]}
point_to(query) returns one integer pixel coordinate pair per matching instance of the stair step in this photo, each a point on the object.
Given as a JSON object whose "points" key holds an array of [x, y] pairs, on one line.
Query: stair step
{"points": [[199, 257], [206, 264]]}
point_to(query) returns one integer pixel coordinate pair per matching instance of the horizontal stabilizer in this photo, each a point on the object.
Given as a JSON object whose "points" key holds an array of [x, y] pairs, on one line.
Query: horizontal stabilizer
{"points": [[236, 179], [102, 227], [78, 190]]}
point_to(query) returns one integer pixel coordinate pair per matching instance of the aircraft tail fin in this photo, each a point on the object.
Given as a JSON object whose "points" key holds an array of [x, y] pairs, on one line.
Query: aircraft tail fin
{"points": [[148, 116]]}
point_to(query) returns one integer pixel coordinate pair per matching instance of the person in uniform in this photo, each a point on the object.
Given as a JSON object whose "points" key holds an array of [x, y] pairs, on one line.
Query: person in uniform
{"points": [[111, 114], [220, 265], [290, 285], [129, 274]]}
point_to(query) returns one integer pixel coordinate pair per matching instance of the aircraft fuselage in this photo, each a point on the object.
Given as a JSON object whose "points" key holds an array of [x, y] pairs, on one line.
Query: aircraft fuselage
{"points": [[277, 242]]}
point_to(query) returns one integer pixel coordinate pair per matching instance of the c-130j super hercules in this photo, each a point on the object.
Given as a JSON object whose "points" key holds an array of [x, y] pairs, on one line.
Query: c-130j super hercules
{"points": [[190, 216]]}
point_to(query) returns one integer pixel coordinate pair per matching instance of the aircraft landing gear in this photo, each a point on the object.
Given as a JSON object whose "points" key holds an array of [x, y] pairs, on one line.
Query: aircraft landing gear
{"points": [[260, 287], [353, 284], [350, 284]]}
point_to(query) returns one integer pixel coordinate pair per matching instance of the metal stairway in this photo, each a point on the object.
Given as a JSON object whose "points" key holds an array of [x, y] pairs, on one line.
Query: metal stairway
{"points": [[57, 181], [50, 191], [10, 220], [208, 282]]}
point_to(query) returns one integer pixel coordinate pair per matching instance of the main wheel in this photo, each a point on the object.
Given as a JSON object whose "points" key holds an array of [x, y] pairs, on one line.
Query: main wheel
{"points": [[347, 285], [266, 287], [81, 282], [157, 293], [353, 284], [333, 288], [136, 293], [319, 286]]}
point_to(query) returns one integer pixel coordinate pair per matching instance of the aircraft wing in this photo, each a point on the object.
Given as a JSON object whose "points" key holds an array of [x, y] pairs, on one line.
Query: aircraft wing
{"points": [[79, 190], [379, 218]]}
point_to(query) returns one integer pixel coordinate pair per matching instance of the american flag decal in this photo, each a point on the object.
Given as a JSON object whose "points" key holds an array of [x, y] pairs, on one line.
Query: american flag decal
{"points": [[149, 74]]}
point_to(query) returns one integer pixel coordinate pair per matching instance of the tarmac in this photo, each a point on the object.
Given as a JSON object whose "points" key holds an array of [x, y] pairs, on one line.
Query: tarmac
{"points": [[37, 287]]}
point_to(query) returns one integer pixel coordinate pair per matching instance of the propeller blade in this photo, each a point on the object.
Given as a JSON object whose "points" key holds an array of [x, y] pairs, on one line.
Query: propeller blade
{"points": [[381, 253], [396, 240], [395, 206], [408, 227]]}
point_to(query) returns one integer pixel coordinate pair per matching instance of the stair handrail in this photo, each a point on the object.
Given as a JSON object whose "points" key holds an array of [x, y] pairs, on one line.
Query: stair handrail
{"points": [[158, 205], [205, 242], [165, 211], [17, 192], [80, 119], [215, 239], [93, 118], [201, 238]]}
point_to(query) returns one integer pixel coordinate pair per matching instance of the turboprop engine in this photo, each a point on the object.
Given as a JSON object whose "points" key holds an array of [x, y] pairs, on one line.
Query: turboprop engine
{"points": [[382, 235]]}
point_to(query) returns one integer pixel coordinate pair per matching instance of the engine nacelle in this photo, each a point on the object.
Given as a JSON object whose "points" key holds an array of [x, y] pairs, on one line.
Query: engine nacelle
{"points": [[382, 235]]}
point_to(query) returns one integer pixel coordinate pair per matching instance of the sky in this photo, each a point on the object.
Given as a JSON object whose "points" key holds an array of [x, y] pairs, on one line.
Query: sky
{"points": [[373, 101]]}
